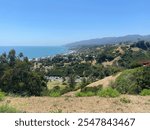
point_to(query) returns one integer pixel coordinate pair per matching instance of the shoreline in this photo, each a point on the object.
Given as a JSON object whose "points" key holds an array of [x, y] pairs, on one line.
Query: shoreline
{"points": [[37, 52], [47, 57]]}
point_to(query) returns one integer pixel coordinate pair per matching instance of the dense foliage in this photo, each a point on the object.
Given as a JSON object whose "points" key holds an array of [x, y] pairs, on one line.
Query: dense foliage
{"points": [[133, 81], [17, 76], [2, 96], [108, 92], [97, 62]]}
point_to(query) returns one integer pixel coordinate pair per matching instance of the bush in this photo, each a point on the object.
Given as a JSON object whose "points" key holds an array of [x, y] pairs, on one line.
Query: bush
{"points": [[126, 82], [55, 94], [85, 94], [71, 81], [125, 100], [133, 81], [108, 92], [92, 89], [145, 92], [89, 91], [2, 96], [143, 77], [65, 90], [7, 109], [56, 91], [84, 83]]}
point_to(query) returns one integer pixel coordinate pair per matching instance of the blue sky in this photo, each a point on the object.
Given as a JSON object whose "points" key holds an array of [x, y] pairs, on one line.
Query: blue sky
{"points": [[56, 22]]}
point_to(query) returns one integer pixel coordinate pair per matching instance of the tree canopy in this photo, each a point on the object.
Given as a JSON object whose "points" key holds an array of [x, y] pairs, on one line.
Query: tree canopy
{"points": [[18, 77]]}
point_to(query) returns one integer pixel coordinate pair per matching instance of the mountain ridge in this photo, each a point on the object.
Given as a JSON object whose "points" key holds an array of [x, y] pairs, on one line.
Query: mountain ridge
{"points": [[110, 40]]}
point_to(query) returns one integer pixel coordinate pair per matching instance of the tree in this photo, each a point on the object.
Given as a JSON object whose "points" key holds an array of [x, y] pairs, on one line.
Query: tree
{"points": [[12, 57], [16, 76], [71, 81], [20, 56], [83, 83], [63, 79], [3, 58]]}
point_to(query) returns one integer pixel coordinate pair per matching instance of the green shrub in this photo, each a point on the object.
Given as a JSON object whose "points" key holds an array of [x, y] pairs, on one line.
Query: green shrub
{"points": [[145, 92], [85, 94], [55, 94], [2, 96], [56, 91], [126, 82], [133, 81], [92, 89], [65, 90], [125, 100], [7, 109], [89, 91], [84, 83], [108, 92], [143, 77]]}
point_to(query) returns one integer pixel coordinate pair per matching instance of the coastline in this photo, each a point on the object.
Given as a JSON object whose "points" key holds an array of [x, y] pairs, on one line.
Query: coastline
{"points": [[47, 57], [37, 52]]}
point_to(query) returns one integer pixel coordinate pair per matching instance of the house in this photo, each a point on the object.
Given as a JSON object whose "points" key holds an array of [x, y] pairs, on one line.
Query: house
{"points": [[146, 63]]}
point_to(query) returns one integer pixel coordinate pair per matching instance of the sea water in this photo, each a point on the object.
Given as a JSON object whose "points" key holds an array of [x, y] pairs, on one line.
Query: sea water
{"points": [[35, 51]]}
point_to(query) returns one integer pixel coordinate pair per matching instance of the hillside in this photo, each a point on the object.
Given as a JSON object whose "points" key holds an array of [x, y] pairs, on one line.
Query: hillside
{"points": [[106, 82], [110, 40], [99, 78]]}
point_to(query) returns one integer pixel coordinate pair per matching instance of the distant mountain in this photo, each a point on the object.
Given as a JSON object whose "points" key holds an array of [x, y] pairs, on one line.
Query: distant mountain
{"points": [[110, 40]]}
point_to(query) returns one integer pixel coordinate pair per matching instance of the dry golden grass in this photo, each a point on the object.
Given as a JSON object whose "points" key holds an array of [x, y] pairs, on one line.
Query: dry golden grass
{"points": [[109, 63], [136, 49], [80, 104], [104, 82]]}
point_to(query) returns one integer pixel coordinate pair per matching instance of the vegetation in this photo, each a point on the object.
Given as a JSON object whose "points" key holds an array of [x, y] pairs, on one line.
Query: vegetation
{"points": [[108, 92], [133, 81], [17, 76], [145, 92], [8, 109], [2, 96], [56, 111], [56, 91], [84, 83], [125, 100], [89, 91], [85, 94], [142, 44], [71, 81]]}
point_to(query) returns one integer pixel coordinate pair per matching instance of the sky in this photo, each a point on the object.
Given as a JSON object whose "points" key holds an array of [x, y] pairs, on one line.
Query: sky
{"points": [[57, 22]]}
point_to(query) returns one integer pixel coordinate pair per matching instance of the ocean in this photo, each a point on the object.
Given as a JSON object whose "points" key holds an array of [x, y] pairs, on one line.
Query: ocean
{"points": [[35, 51]]}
